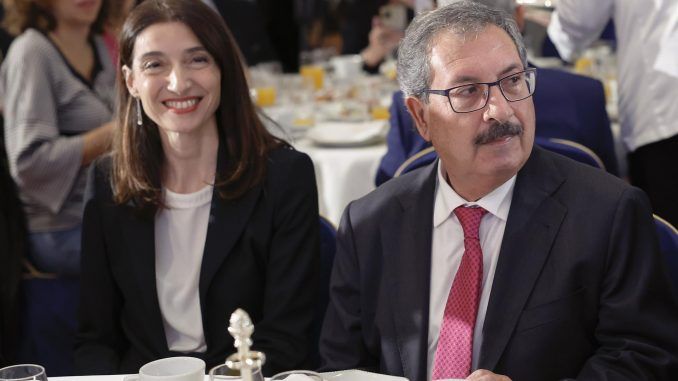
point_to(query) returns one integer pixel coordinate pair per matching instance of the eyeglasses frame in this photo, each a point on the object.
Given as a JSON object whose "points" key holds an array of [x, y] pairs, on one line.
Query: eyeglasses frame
{"points": [[446, 92]]}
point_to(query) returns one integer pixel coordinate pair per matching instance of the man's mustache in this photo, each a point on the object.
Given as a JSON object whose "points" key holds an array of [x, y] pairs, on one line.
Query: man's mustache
{"points": [[497, 131]]}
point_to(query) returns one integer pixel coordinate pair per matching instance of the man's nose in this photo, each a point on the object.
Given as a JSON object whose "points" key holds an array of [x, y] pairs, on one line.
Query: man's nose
{"points": [[498, 108]]}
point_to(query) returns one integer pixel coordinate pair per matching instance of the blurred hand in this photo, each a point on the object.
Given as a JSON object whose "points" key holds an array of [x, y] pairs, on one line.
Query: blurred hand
{"points": [[382, 41], [486, 375]]}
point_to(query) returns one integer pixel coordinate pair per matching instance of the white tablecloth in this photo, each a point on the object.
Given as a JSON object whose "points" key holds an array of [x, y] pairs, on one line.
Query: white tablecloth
{"points": [[117, 377], [342, 174], [343, 375]]}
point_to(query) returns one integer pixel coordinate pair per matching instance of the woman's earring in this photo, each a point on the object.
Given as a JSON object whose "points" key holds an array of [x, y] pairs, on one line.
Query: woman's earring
{"points": [[140, 119]]}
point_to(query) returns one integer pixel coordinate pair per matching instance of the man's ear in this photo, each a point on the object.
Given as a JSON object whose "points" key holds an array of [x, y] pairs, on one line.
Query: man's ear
{"points": [[129, 81], [417, 110]]}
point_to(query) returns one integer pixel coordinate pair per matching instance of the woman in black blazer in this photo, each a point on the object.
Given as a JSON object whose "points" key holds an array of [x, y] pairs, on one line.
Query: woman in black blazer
{"points": [[197, 212]]}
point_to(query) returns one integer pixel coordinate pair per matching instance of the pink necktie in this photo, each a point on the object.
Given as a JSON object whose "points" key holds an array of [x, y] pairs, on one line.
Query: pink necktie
{"points": [[455, 344]]}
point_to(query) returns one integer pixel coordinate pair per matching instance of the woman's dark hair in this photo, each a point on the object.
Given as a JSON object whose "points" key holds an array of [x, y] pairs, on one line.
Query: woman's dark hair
{"points": [[138, 156], [23, 14]]}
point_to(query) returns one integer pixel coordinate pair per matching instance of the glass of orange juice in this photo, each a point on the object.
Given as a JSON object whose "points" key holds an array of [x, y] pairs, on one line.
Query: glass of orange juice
{"points": [[265, 96], [315, 74], [379, 112]]}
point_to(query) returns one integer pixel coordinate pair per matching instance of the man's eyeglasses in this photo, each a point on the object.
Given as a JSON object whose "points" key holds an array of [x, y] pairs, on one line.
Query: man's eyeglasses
{"points": [[474, 96]]}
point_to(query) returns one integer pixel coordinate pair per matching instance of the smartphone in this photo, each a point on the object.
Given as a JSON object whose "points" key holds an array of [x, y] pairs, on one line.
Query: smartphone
{"points": [[394, 16]]}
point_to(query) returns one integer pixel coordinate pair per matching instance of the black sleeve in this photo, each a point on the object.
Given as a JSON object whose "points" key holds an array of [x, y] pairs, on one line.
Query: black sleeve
{"points": [[100, 339], [341, 340], [292, 267], [637, 328]]}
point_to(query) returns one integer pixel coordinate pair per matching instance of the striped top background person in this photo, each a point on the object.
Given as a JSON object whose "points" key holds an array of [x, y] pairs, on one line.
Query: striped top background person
{"points": [[56, 85], [48, 106]]}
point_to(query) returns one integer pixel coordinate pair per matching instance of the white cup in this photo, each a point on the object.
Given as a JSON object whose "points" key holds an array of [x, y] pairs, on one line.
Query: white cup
{"points": [[348, 66], [171, 369]]}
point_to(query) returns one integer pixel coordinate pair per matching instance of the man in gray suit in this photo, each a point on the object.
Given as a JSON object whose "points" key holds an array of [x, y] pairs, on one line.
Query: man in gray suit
{"points": [[500, 260]]}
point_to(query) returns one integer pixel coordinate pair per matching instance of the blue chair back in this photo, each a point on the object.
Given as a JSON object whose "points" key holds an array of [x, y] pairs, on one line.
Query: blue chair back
{"points": [[328, 247], [571, 149], [418, 160], [564, 147], [668, 245]]}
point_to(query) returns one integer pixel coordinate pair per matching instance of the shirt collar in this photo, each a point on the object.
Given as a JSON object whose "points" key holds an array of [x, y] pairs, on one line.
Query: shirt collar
{"points": [[497, 202]]}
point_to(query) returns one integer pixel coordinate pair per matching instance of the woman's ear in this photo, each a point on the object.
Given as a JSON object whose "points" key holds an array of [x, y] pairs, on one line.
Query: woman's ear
{"points": [[129, 81]]}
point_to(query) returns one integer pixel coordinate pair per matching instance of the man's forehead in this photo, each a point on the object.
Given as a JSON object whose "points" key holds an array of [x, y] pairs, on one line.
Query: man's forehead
{"points": [[473, 51], [458, 41]]}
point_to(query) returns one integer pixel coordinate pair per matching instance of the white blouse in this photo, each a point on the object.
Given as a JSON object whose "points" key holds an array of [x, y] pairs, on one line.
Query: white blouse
{"points": [[180, 234]]}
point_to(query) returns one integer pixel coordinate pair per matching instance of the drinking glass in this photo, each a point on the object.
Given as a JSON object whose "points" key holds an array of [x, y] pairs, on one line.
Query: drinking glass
{"points": [[264, 84], [23, 372], [314, 74], [223, 372]]}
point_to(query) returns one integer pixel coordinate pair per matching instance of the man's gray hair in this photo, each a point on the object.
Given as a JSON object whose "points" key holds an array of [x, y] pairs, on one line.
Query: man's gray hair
{"points": [[508, 6], [462, 18]]}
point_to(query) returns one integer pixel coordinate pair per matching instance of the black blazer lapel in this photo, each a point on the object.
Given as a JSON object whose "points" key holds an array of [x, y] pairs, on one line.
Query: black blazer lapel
{"points": [[227, 220], [532, 225], [407, 245]]}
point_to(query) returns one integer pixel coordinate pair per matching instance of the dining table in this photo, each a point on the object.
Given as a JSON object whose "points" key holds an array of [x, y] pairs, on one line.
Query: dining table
{"points": [[346, 155], [342, 375], [115, 377], [343, 174]]}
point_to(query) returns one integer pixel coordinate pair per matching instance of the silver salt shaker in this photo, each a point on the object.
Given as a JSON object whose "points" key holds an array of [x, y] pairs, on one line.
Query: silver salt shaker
{"points": [[248, 363]]}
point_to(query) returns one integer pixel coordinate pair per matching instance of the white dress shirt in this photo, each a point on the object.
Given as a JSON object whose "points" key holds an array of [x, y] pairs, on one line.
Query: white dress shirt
{"points": [[448, 248], [180, 234], [647, 56]]}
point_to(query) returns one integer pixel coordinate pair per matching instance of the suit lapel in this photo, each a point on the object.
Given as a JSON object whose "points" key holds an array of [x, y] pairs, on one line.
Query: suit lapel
{"points": [[227, 221], [532, 225], [407, 245]]}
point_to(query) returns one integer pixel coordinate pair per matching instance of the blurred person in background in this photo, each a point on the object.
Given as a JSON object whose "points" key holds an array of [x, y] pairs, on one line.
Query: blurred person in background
{"points": [[197, 212], [266, 30], [647, 58], [364, 32], [320, 22], [116, 17], [57, 82]]}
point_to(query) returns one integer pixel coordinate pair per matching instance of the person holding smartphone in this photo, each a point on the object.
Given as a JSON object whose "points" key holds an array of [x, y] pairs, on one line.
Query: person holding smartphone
{"points": [[373, 29]]}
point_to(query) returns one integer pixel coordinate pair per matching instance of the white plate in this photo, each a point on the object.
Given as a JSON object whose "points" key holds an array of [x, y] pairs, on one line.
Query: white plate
{"points": [[345, 134], [359, 375]]}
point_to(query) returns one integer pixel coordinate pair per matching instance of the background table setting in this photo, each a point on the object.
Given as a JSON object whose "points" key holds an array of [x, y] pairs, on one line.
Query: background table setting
{"points": [[338, 116]]}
